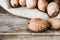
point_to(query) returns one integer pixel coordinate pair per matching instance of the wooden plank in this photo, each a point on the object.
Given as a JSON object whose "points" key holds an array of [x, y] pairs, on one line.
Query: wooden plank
{"points": [[14, 25], [31, 38]]}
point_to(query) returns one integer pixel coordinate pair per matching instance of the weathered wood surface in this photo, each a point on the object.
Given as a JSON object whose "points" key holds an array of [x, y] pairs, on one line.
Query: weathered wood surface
{"points": [[31, 38], [9, 22], [14, 25], [15, 28]]}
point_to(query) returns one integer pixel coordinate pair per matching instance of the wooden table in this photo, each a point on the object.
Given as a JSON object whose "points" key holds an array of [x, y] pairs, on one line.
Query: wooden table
{"points": [[15, 28]]}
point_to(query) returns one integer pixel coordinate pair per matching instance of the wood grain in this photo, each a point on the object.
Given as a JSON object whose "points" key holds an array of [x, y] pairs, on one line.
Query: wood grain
{"points": [[14, 25]]}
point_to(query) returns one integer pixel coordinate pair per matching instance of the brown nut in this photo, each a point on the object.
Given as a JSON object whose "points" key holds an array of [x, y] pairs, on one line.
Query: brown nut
{"points": [[38, 25], [22, 2], [31, 3], [42, 5], [14, 3], [55, 23], [53, 9]]}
